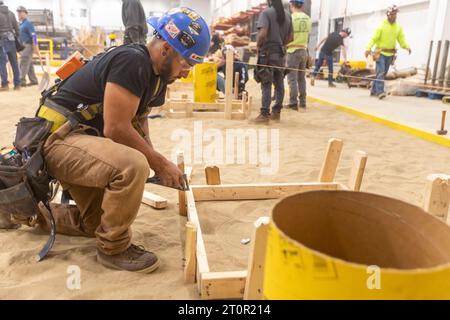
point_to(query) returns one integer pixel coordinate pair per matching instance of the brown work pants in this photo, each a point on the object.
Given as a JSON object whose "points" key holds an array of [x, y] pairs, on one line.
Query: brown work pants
{"points": [[104, 178]]}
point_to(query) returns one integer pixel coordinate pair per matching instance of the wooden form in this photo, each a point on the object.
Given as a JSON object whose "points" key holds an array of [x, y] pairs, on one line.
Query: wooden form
{"points": [[230, 107], [249, 283]]}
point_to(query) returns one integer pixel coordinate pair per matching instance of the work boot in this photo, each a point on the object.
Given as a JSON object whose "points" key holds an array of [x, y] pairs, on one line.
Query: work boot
{"points": [[262, 118], [382, 95], [275, 116], [313, 80], [331, 85], [4, 88], [292, 106], [303, 105], [17, 88], [134, 259]]}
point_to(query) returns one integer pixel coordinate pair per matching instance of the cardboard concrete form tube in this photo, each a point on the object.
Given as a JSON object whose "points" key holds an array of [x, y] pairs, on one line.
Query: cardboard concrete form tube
{"points": [[354, 245]]}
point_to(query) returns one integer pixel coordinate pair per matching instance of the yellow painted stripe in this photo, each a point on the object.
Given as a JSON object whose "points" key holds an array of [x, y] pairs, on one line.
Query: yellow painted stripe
{"points": [[443, 141]]}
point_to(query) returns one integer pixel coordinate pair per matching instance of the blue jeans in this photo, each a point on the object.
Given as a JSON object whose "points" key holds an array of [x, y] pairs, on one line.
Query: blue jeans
{"points": [[8, 52], [329, 58], [383, 65]]}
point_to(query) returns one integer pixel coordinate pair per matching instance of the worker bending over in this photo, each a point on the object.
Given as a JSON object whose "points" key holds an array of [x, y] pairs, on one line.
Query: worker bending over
{"points": [[330, 43], [100, 149]]}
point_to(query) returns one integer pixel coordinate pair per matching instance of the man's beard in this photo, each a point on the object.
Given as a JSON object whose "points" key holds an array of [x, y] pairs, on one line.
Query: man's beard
{"points": [[166, 70]]}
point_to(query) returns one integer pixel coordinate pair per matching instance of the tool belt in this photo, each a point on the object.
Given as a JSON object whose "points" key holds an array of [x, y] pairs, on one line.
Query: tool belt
{"points": [[25, 182], [377, 53]]}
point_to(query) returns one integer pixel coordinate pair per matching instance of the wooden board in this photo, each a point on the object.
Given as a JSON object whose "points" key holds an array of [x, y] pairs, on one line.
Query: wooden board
{"points": [[153, 200], [190, 253], [332, 156], [357, 173], [437, 196], [181, 194], [212, 174], [223, 285], [255, 191], [256, 261]]}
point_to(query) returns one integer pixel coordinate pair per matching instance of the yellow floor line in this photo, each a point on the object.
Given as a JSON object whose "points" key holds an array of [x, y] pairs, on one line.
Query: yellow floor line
{"points": [[391, 124]]}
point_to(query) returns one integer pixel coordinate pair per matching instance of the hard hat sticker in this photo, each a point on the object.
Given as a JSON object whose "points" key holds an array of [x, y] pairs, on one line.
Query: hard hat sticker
{"points": [[172, 29], [196, 57], [186, 40], [191, 14], [195, 28]]}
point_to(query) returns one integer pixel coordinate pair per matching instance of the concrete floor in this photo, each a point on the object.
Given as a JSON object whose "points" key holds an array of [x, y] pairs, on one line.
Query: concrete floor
{"points": [[419, 113]]}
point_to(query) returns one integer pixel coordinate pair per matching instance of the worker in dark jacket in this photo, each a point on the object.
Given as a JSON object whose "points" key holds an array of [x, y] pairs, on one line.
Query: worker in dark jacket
{"points": [[9, 29], [133, 17]]}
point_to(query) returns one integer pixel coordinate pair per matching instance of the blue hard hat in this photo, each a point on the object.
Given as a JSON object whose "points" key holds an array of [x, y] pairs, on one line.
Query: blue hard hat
{"points": [[186, 31], [299, 2]]}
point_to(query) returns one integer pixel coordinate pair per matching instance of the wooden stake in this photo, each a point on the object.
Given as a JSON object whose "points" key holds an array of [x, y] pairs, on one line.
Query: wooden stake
{"points": [[190, 253], [256, 262], [331, 160], [181, 194], [236, 85], [229, 84], [212, 174], [437, 195], [249, 107], [244, 103], [359, 165]]}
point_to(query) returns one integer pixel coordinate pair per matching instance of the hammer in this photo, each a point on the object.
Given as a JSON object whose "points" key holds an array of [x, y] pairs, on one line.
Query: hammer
{"points": [[443, 132]]}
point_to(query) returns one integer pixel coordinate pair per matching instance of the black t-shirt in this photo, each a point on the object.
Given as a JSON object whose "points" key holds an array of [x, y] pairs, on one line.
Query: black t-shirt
{"points": [[129, 66], [333, 41]]}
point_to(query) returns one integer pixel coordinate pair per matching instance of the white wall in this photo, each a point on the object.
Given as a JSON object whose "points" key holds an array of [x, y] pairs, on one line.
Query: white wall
{"points": [[105, 13], [201, 6], [364, 24]]}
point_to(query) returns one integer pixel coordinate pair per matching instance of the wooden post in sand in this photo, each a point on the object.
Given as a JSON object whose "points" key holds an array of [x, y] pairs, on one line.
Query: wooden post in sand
{"points": [[229, 84], [331, 161], [236, 85], [255, 269], [212, 174], [181, 194], [437, 196], [190, 253], [357, 173]]}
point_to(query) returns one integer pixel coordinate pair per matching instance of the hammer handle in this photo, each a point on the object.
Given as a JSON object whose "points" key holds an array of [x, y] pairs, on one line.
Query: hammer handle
{"points": [[444, 114]]}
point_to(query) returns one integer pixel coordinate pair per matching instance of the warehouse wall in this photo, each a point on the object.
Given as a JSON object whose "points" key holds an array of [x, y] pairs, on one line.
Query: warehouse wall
{"points": [[105, 13], [422, 20]]}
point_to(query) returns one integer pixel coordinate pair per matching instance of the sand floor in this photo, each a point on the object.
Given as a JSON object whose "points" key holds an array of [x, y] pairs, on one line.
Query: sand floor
{"points": [[398, 165]]}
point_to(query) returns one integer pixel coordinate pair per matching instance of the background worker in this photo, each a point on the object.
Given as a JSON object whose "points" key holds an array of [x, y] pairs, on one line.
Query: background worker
{"points": [[238, 67], [274, 33], [9, 29], [133, 18], [297, 55], [29, 40], [106, 173], [385, 39], [330, 43]]}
